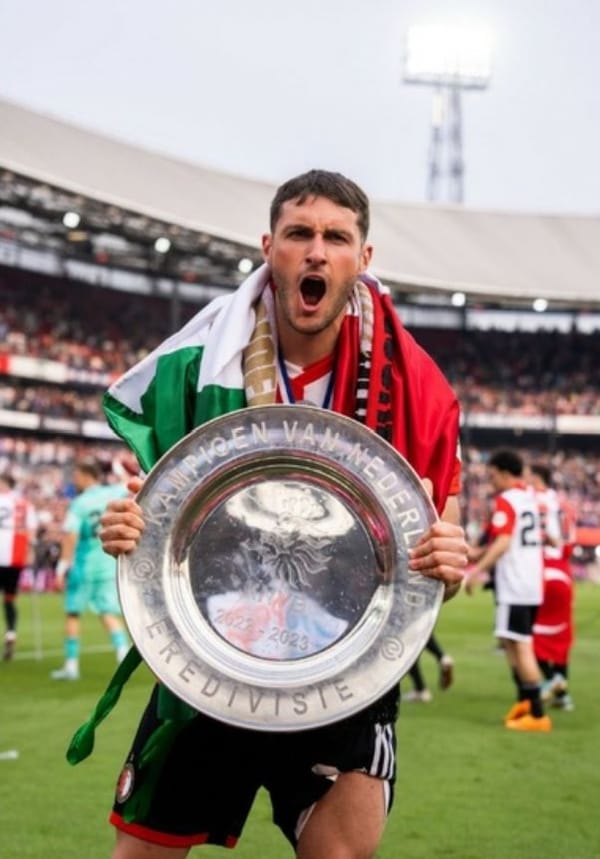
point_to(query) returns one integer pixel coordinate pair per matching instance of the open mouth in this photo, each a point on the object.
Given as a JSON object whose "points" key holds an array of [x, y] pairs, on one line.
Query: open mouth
{"points": [[312, 289]]}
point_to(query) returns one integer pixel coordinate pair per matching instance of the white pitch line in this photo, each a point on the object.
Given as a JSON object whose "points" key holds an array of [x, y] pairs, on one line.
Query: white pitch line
{"points": [[9, 755], [32, 655]]}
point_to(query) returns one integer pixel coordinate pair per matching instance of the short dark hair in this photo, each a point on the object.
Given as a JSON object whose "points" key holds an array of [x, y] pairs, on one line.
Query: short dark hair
{"points": [[542, 471], [323, 183], [89, 466], [507, 460], [9, 480]]}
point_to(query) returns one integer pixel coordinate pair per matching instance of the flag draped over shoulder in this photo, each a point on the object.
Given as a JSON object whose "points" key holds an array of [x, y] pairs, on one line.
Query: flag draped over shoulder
{"points": [[198, 374], [190, 378]]}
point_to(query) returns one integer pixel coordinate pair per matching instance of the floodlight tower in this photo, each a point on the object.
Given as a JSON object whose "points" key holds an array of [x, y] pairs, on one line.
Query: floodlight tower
{"points": [[450, 60]]}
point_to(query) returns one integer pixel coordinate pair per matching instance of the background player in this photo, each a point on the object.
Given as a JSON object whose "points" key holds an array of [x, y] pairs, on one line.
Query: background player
{"points": [[420, 691], [89, 572], [515, 551], [18, 523]]}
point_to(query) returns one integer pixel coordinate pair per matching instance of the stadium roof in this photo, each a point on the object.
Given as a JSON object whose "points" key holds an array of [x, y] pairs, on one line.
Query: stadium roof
{"points": [[491, 255]]}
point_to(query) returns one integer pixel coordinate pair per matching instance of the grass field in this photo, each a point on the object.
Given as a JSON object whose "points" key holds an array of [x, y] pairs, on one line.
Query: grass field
{"points": [[467, 788]]}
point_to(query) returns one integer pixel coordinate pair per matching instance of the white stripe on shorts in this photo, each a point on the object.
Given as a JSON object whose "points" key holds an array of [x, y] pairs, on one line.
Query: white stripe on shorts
{"points": [[382, 765]]}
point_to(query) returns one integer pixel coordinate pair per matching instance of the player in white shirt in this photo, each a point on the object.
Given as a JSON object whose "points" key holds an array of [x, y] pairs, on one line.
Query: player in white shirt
{"points": [[17, 530], [515, 552]]}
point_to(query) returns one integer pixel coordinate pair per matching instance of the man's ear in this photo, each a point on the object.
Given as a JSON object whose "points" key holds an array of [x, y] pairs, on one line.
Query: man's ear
{"points": [[366, 255], [267, 242]]}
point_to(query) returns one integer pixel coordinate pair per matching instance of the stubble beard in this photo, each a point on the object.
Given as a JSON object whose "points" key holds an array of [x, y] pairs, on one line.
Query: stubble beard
{"points": [[309, 327]]}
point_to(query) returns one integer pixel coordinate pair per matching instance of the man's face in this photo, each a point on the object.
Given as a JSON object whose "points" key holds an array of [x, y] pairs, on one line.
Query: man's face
{"points": [[316, 254], [80, 479], [498, 479]]}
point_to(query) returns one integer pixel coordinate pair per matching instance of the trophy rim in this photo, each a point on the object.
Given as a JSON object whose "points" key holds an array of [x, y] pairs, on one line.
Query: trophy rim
{"points": [[167, 598]]}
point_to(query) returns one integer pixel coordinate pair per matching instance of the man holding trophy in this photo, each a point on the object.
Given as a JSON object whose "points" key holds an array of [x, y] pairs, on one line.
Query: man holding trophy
{"points": [[311, 326]]}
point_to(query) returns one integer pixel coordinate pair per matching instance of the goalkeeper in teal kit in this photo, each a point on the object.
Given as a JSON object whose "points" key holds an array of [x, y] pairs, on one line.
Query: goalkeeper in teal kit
{"points": [[87, 574]]}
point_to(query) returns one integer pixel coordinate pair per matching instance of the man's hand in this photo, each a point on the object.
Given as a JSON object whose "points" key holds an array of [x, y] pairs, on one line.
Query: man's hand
{"points": [[61, 573], [474, 576], [122, 522], [441, 553]]}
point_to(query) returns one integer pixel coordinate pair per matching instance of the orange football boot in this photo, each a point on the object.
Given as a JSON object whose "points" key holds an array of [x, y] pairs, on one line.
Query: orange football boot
{"points": [[530, 723], [518, 710]]}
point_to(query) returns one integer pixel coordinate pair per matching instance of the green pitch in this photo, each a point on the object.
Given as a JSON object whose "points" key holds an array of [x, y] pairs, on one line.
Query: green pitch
{"points": [[467, 788]]}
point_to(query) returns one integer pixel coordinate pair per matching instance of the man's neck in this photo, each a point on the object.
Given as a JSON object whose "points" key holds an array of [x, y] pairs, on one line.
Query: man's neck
{"points": [[303, 350]]}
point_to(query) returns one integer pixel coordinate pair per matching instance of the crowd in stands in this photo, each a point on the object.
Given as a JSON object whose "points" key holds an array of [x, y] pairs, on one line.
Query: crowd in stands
{"points": [[81, 325], [478, 398], [51, 400], [516, 372]]}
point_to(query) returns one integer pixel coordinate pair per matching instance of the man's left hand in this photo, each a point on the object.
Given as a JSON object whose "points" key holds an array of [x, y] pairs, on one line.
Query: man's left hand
{"points": [[441, 553]]}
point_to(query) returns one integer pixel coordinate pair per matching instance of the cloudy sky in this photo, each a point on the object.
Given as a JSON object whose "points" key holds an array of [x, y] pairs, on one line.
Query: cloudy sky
{"points": [[268, 88]]}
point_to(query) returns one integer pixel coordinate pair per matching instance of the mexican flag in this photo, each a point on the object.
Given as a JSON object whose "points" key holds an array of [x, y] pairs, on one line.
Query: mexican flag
{"points": [[190, 378]]}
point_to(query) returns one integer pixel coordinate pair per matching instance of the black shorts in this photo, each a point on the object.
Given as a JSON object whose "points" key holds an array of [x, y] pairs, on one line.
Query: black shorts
{"points": [[515, 622], [9, 580], [203, 790]]}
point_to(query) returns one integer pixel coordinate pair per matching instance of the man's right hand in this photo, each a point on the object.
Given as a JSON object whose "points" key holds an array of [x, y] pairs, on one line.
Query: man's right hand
{"points": [[62, 570], [474, 577], [122, 522]]}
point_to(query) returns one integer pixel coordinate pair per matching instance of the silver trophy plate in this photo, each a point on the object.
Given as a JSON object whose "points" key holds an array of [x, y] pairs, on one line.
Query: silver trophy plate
{"points": [[270, 588]]}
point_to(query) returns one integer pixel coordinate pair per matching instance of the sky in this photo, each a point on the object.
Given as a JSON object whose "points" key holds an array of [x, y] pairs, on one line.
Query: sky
{"points": [[269, 88]]}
